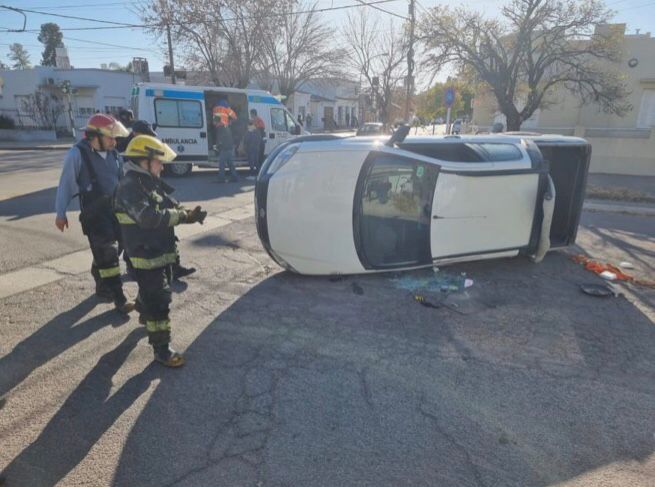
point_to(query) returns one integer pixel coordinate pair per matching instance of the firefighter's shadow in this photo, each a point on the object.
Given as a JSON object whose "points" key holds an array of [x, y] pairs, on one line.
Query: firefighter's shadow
{"points": [[87, 414], [59, 334], [301, 374]]}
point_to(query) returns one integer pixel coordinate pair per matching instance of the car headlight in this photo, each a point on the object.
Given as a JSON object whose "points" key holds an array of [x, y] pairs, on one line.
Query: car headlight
{"points": [[282, 158]]}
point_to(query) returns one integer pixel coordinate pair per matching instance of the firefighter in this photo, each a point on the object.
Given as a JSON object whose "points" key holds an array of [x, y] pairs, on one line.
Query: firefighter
{"points": [[141, 127], [92, 169], [147, 214]]}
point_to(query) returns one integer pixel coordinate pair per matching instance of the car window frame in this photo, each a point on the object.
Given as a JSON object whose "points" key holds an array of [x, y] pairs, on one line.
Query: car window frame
{"points": [[358, 211]]}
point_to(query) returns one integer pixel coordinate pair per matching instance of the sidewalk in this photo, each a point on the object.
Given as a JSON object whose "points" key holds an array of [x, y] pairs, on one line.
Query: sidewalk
{"points": [[59, 144], [634, 189], [625, 207]]}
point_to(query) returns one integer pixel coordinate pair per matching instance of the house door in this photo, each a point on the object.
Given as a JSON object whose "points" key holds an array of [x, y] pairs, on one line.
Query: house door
{"points": [[328, 118]]}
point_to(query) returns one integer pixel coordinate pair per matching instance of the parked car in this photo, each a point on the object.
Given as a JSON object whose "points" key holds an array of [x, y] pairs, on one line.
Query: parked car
{"points": [[371, 129], [328, 205]]}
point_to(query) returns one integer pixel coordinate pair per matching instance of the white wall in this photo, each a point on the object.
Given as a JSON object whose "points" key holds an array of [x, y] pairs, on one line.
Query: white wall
{"points": [[96, 89]]}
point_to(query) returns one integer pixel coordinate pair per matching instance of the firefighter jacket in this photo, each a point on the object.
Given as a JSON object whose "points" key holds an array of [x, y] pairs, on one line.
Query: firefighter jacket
{"points": [[147, 214]]}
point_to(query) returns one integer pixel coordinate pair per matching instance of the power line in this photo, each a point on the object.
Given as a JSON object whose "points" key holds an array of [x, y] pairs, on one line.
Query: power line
{"points": [[382, 10], [108, 44], [73, 17], [77, 6], [120, 25]]}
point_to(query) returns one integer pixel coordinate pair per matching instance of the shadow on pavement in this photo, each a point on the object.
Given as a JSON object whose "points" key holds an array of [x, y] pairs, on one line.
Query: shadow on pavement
{"points": [[52, 339], [303, 381], [204, 185], [85, 416], [36, 203]]}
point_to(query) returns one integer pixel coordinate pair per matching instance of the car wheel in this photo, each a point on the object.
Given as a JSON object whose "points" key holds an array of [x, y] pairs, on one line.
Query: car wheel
{"points": [[178, 169]]}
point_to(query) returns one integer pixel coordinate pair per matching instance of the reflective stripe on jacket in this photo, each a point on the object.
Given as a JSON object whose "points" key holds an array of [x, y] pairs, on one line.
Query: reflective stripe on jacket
{"points": [[147, 214]]}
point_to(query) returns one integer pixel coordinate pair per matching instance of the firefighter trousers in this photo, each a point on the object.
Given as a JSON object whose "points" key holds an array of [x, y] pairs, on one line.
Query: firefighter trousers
{"points": [[153, 303], [105, 268]]}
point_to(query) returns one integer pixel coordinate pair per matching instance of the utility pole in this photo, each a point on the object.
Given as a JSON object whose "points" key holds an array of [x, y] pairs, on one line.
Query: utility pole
{"points": [[410, 59], [165, 8], [170, 51]]}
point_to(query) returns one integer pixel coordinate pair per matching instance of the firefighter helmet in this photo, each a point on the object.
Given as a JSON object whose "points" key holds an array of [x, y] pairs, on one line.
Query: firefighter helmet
{"points": [[105, 125], [145, 146]]}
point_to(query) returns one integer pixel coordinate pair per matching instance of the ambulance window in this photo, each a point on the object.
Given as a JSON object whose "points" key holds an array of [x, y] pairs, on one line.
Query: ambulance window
{"points": [[166, 113], [178, 113], [278, 120], [190, 113], [394, 200], [291, 123]]}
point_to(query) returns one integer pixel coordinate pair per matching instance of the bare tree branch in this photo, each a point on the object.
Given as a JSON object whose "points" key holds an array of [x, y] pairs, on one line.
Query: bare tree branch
{"points": [[540, 46]]}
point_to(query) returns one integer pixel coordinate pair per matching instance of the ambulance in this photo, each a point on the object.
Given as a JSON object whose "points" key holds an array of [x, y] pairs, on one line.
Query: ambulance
{"points": [[182, 117]]}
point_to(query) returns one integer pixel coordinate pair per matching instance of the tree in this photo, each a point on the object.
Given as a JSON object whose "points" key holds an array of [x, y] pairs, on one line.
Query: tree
{"points": [[51, 38], [379, 55], [538, 47], [300, 49], [114, 66], [19, 56], [430, 103], [44, 108], [221, 37]]}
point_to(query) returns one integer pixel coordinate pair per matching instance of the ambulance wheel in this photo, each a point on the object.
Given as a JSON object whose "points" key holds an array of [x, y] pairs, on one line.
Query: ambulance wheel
{"points": [[178, 169]]}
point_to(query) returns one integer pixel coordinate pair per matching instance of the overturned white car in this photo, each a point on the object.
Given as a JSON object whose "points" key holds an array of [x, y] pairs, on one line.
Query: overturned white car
{"points": [[330, 205]]}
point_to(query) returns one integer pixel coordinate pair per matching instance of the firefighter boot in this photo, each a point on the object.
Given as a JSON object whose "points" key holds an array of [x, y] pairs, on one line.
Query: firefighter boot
{"points": [[103, 292], [165, 355]]}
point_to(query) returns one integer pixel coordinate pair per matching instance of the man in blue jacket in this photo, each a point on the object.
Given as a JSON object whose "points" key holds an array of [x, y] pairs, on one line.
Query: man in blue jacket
{"points": [[92, 169]]}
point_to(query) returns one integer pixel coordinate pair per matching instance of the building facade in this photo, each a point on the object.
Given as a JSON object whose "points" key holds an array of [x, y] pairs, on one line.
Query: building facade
{"points": [[91, 91], [621, 145]]}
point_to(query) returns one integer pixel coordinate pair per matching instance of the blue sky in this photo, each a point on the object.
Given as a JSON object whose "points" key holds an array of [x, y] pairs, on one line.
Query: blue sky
{"points": [[638, 14]]}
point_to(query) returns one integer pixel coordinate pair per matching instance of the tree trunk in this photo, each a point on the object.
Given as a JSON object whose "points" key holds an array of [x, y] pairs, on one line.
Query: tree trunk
{"points": [[513, 122]]}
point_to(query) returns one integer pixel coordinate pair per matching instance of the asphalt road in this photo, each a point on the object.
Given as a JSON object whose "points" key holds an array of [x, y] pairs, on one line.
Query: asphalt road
{"points": [[522, 380]]}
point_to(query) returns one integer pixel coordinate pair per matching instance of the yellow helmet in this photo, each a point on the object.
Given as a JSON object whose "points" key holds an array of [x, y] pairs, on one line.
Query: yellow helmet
{"points": [[149, 147]]}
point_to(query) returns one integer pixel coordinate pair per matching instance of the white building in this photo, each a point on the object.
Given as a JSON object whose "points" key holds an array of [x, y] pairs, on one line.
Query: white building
{"points": [[332, 103], [92, 90]]}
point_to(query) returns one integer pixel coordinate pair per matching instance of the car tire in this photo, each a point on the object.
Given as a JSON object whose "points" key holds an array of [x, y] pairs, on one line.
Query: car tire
{"points": [[178, 169]]}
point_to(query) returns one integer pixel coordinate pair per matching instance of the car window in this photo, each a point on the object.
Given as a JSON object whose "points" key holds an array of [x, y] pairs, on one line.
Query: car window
{"points": [[291, 123], [278, 120], [500, 152], [449, 151], [394, 211]]}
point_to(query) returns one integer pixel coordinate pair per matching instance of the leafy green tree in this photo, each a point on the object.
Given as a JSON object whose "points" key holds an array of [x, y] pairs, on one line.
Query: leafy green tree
{"points": [[51, 38], [19, 56], [430, 103]]}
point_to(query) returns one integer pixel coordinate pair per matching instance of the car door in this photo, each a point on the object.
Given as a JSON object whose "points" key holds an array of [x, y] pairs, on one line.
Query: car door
{"points": [[278, 133], [392, 212], [485, 206], [180, 123]]}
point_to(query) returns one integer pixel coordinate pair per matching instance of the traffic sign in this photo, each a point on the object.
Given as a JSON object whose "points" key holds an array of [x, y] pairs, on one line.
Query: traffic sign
{"points": [[449, 97]]}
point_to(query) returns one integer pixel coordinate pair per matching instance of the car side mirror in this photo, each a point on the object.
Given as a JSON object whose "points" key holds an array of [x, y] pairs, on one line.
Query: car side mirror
{"points": [[296, 130]]}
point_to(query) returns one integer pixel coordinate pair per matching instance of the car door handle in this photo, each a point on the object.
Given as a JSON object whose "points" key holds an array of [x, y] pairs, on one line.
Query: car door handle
{"points": [[203, 135]]}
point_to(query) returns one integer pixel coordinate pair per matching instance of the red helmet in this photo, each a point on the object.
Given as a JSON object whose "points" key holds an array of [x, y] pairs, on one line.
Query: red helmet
{"points": [[105, 125]]}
